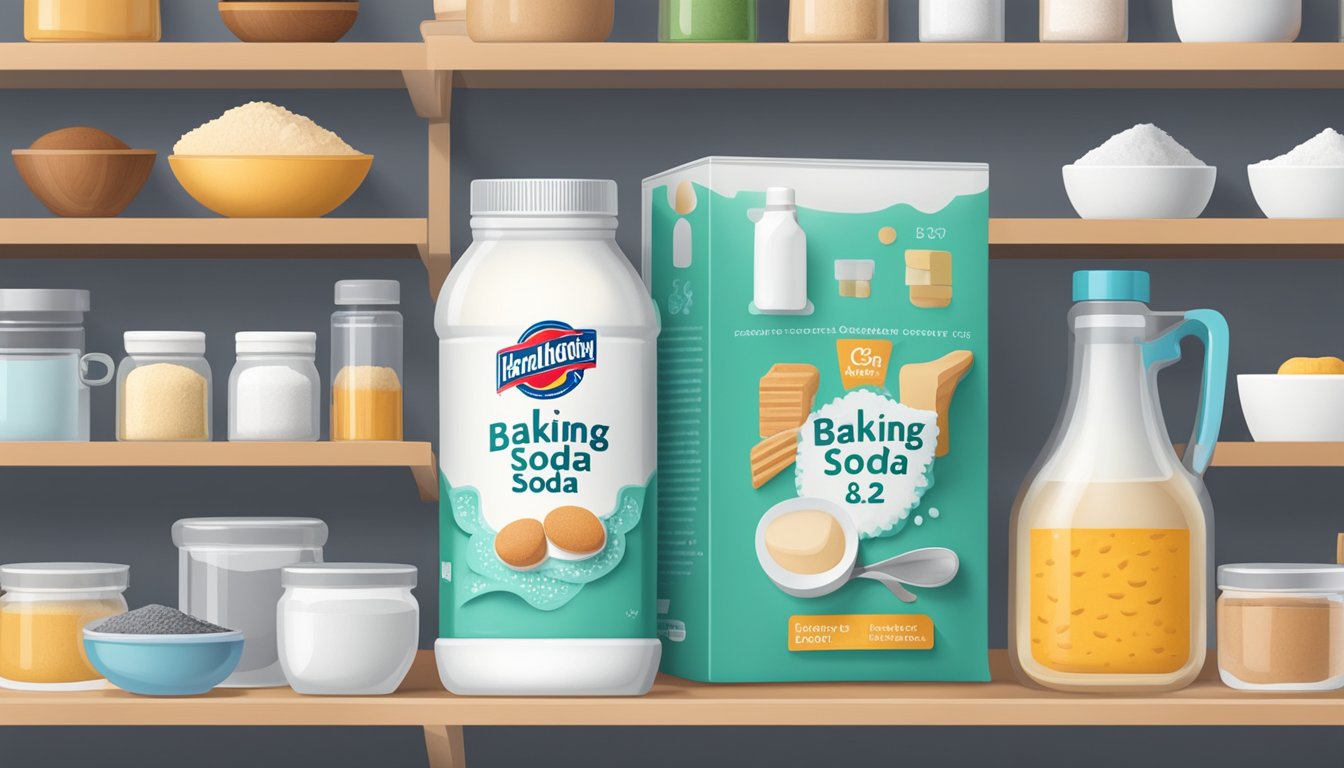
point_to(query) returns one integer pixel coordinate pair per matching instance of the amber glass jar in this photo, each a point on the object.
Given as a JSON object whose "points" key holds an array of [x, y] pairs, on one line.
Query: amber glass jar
{"points": [[92, 20]]}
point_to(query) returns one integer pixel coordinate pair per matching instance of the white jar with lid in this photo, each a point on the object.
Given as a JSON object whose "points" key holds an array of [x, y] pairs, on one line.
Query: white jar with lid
{"points": [[42, 617], [961, 21], [1084, 21], [348, 629], [274, 390], [1281, 626], [163, 387]]}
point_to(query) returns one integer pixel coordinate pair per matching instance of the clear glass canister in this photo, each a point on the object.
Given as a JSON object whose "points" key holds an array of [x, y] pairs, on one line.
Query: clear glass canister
{"points": [[44, 373], [275, 392], [1084, 21], [707, 21], [1281, 626], [366, 359], [348, 629], [961, 21], [92, 20], [229, 574], [839, 21], [163, 387], [42, 617]]}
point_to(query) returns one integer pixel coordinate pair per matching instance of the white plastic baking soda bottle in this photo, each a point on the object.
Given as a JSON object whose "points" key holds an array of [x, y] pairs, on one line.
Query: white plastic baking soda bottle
{"points": [[547, 512], [780, 266]]}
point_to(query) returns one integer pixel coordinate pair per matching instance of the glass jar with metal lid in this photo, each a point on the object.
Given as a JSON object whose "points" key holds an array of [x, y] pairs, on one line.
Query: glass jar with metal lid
{"points": [[163, 387], [42, 617], [1281, 626]]}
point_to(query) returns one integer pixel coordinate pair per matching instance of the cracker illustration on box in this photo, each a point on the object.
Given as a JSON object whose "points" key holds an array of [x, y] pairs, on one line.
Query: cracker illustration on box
{"points": [[928, 274], [787, 391]]}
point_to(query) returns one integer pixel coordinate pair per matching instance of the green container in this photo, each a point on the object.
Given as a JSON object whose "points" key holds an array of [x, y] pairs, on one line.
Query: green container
{"points": [[707, 21]]}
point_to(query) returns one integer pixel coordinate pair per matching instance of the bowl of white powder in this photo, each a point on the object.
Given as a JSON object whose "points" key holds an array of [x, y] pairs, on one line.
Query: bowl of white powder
{"points": [[263, 161], [1142, 173], [1306, 183]]}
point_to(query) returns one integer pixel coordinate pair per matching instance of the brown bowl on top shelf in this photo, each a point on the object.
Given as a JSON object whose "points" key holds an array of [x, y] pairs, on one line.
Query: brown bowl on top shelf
{"points": [[290, 22], [84, 172]]}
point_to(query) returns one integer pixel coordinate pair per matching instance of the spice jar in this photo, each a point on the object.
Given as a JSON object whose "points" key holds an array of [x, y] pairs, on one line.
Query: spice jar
{"points": [[707, 21], [163, 387], [348, 629], [961, 21], [1084, 21], [42, 617], [839, 21], [366, 356], [92, 20], [274, 389], [540, 21], [1281, 626]]}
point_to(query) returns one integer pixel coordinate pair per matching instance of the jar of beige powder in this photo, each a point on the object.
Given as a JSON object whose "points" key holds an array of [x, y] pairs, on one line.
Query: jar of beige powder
{"points": [[839, 21], [1281, 626], [163, 387]]}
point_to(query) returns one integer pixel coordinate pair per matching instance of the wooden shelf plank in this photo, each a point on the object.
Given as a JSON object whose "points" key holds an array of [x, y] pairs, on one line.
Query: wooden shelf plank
{"points": [[894, 65], [418, 457], [1167, 238], [208, 65], [1279, 455], [673, 702], [327, 238]]}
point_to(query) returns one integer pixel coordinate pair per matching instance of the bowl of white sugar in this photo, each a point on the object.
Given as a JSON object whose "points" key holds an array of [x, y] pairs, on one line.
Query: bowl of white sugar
{"points": [[1142, 173], [1306, 183]]}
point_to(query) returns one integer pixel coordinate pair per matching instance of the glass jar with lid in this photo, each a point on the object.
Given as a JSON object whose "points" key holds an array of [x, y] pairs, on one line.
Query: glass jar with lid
{"points": [[839, 21], [43, 613], [43, 368], [348, 629], [1084, 21], [92, 20], [707, 21], [366, 360], [163, 387], [274, 389], [1281, 626], [961, 21]]}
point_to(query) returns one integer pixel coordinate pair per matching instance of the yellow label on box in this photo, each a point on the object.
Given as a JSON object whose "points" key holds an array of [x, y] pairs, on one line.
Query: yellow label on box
{"points": [[872, 632], [863, 362]]}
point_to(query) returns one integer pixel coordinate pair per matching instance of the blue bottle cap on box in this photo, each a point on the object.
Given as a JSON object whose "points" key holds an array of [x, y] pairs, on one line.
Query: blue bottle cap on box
{"points": [[1111, 285]]}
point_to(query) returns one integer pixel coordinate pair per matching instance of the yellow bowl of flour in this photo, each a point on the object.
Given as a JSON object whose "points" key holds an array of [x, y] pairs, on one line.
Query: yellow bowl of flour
{"points": [[270, 186]]}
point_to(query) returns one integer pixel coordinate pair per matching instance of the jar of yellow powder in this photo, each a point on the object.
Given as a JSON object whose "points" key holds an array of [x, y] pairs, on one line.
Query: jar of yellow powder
{"points": [[163, 387], [42, 617], [366, 356]]}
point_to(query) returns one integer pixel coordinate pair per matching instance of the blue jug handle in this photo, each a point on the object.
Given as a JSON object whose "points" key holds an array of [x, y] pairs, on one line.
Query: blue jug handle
{"points": [[1210, 327]]}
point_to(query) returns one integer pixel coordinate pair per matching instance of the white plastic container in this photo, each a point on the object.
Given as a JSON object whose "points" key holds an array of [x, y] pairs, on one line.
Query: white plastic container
{"points": [[780, 268], [229, 574], [547, 375], [163, 387], [43, 613], [961, 21], [274, 390], [348, 629], [1084, 21]]}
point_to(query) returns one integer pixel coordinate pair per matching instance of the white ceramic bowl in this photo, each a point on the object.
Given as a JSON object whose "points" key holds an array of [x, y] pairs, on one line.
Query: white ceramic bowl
{"points": [[1293, 409], [814, 584], [1298, 192], [1237, 21], [1139, 192]]}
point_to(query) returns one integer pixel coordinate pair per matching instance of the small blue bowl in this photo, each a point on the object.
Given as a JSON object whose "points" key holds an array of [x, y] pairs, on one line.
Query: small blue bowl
{"points": [[164, 665]]}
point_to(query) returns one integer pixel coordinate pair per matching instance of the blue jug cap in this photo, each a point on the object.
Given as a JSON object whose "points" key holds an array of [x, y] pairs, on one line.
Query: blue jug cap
{"points": [[1111, 285]]}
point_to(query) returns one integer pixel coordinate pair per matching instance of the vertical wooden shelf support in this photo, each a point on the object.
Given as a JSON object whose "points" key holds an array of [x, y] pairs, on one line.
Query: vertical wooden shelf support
{"points": [[432, 94], [446, 745]]}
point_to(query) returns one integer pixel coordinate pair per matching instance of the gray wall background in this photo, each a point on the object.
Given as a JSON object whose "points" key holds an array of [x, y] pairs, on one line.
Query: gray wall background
{"points": [[1276, 310]]}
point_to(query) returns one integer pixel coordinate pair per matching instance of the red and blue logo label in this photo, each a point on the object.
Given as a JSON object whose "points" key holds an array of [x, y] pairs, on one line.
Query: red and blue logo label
{"points": [[547, 362]]}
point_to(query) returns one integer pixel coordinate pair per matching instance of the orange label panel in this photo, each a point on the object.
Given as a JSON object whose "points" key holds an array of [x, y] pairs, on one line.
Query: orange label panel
{"points": [[863, 362], [871, 632]]}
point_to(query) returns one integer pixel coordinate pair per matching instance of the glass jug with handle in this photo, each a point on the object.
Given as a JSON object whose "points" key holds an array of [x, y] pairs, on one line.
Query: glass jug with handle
{"points": [[1112, 531]]}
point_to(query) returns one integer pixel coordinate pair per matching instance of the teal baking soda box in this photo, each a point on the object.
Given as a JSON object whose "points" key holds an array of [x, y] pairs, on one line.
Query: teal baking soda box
{"points": [[823, 418]]}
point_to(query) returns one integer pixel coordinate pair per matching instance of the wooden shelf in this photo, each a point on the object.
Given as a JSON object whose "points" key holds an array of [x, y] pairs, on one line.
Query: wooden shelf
{"points": [[674, 702], [1167, 238], [1279, 455], [893, 65], [208, 65], [185, 238], [417, 457]]}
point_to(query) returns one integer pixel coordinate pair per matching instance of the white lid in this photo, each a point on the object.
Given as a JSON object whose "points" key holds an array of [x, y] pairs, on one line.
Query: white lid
{"points": [[164, 342], [371, 292], [276, 343], [1281, 577], [306, 532], [350, 575], [784, 197], [543, 197], [43, 300], [64, 577], [854, 269]]}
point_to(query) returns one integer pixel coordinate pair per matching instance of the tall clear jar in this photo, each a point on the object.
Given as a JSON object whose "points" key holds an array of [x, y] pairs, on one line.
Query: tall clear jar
{"points": [[1084, 21], [42, 617], [274, 389], [366, 361], [707, 21], [961, 21], [839, 21], [163, 387]]}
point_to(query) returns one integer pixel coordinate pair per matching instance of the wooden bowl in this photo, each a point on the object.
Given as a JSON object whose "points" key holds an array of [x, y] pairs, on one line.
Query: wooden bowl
{"points": [[85, 183], [293, 22]]}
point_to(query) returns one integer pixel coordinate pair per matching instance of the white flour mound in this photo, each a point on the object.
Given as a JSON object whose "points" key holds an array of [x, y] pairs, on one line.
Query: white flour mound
{"points": [[1142, 145], [262, 128], [1325, 148]]}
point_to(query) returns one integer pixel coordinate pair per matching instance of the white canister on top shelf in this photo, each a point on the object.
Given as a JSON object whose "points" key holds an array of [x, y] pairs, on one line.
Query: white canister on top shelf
{"points": [[961, 21], [1084, 21], [275, 392]]}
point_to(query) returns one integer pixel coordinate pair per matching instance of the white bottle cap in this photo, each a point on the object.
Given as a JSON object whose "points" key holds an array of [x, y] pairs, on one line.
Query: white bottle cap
{"points": [[368, 292], [276, 343], [164, 342], [780, 196], [543, 197]]}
